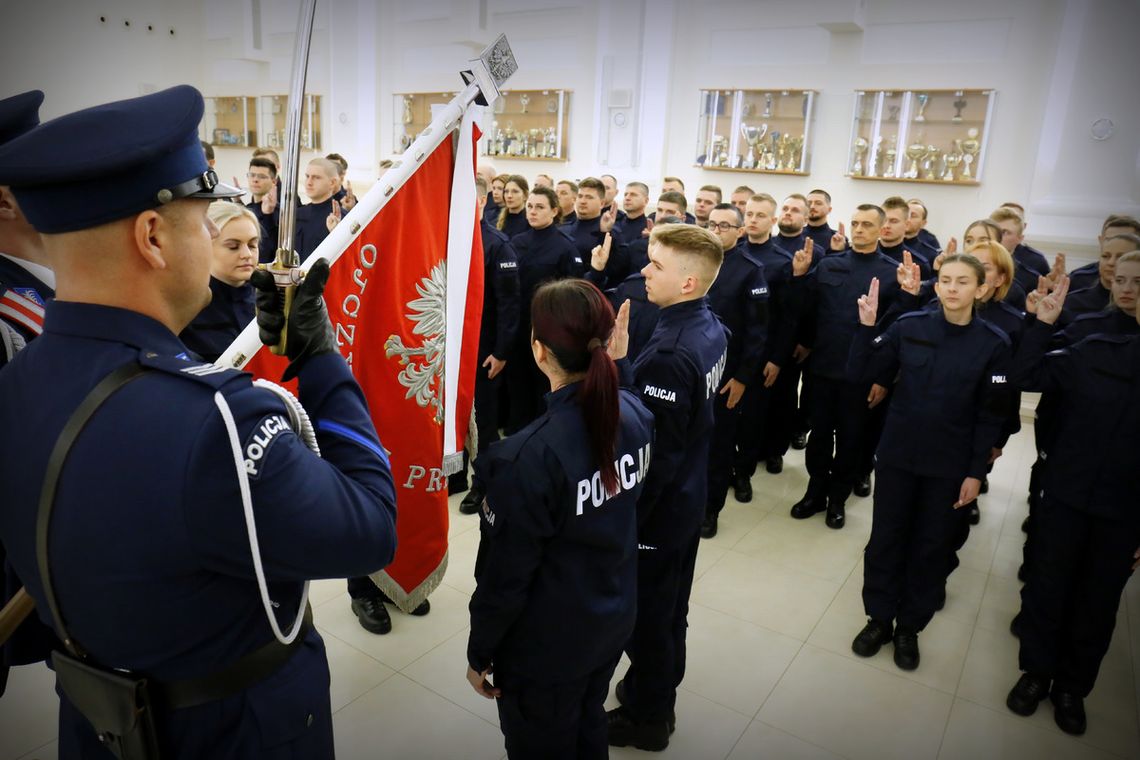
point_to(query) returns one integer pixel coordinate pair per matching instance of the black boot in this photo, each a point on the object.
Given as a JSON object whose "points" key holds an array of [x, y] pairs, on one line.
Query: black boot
{"points": [[871, 639], [862, 487], [1069, 712], [472, 502], [625, 732], [708, 525], [619, 692], [371, 613], [813, 502], [799, 441], [1027, 693], [906, 648], [774, 465], [742, 488]]}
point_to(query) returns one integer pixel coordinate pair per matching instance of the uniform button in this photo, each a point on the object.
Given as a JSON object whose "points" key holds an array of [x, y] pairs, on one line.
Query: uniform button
{"points": [[151, 354], [309, 721]]}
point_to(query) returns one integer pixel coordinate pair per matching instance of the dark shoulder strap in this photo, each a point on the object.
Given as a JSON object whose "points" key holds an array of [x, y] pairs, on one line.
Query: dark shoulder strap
{"points": [[78, 420]]}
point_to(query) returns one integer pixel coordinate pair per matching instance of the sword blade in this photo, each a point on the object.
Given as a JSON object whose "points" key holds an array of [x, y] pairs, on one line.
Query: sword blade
{"points": [[292, 158]]}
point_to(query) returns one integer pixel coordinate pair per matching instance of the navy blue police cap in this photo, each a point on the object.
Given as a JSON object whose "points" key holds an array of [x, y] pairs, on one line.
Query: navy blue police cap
{"points": [[19, 113], [111, 162]]}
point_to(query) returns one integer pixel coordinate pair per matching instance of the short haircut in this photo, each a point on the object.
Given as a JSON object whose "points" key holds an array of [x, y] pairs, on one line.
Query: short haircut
{"points": [[674, 197], [712, 189], [548, 178], [569, 183], [640, 186], [274, 157], [611, 177], [264, 163], [551, 198], [872, 207], [744, 189], [896, 202], [593, 183], [329, 167], [824, 193], [798, 197], [208, 150], [730, 207], [339, 160], [1120, 220], [763, 198], [674, 179], [991, 229], [481, 184], [1005, 214], [700, 246], [919, 202], [222, 213], [1130, 237], [1132, 257], [1011, 204], [1002, 260]]}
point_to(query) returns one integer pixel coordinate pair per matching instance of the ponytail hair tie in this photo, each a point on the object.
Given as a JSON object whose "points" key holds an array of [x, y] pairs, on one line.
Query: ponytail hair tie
{"points": [[594, 344]]}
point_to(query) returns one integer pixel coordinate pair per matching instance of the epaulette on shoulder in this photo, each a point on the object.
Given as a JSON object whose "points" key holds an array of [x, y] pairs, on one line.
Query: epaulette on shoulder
{"points": [[1019, 313], [1088, 316], [210, 374], [996, 331]]}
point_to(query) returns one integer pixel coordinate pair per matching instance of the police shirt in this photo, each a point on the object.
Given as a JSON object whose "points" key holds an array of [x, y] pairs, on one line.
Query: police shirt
{"points": [[739, 298], [491, 211], [1109, 320], [793, 243], [1084, 277], [917, 245], [895, 253], [587, 233], [678, 375], [217, 325], [1091, 462], [828, 298], [1031, 259], [930, 239], [821, 234], [149, 549], [1091, 299], [781, 312], [269, 224], [543, 255], [556, 571], [312, 227], [515, 223], [500, 295], [950, 398], [629, 230], [643, 313]]}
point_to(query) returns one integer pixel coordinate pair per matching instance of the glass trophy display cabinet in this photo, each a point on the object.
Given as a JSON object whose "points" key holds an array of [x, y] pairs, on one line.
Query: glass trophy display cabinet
{"points": [[273, 111], [229, 122], [765, 131], [413, 114], [530, 124], [934, 136]]}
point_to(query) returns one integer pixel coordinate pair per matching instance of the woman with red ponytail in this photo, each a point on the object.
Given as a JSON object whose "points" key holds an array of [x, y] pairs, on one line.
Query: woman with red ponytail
{"points": [[556, 570]]}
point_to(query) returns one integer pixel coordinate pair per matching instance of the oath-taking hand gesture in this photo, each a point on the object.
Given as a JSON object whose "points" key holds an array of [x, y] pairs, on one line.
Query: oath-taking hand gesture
{"points": [[1049, 307], [606, 222], [618, 345], [600, 255], [951, 249], [909, 274], [801, 260], [869, 304], [1055, 273], [839, 239], [648, 227], [269, 202], [333, 219], [1033, 297], [349, 197]]}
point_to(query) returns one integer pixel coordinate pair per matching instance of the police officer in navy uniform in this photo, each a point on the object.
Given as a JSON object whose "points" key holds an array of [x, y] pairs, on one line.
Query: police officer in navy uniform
{"points": [[678, 375], [26, 285], [739, 298], [497, 332], [1086, 524], [947, 412], [829, 321], [149, 504], [557, 562]]}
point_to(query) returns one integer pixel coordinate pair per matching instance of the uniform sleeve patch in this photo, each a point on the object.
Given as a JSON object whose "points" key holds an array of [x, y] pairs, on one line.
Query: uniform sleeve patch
{"points": [[261, 440]]}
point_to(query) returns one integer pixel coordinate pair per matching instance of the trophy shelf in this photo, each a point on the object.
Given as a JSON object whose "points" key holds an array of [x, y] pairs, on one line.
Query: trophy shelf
{"points": [[755, 131], [929, 136], [229, 122], [274, 111], [413, 115], [530, 125]]}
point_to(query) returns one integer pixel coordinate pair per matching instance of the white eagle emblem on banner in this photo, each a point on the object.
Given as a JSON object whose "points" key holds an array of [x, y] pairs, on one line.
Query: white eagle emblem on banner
{"points": [[422, 372]]}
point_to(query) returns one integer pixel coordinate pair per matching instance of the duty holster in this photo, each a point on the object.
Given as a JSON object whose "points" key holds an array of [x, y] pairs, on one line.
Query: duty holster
{"points": [[117, 704]]}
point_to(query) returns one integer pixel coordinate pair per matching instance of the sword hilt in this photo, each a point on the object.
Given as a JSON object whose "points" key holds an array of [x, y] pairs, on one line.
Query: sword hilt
{"points": [[287, 275]]}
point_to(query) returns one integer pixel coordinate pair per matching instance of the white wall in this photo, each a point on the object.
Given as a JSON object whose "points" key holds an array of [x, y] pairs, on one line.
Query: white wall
{"points": [[1056, 66]]}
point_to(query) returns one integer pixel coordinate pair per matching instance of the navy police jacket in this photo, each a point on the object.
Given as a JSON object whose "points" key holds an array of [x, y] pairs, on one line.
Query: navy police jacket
{"points": [[678, 374], [1110, 320], [216, 326], [828, 298], [500, 321], [556, 572], [515, 223], [739, 297], [312, 227], [269, 224], [149, 549], [1084, 277], [781, 312], [821, 234], [543, 255], [1091, 462], [1087, 301], [895, 253], [587, 233], [950, 399]]}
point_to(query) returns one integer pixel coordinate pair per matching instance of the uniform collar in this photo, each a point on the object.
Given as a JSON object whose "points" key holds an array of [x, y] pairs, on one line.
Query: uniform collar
{"points": [[39, 271], [86, 320], [562, 396], [682, 310], [229, 292]]}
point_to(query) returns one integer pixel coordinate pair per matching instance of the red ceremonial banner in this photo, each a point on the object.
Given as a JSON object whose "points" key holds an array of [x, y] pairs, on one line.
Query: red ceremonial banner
{"points": [[387, 300]]}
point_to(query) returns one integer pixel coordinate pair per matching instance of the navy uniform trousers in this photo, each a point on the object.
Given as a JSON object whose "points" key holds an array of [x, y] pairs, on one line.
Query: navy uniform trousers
{"points": [[839, 406]]}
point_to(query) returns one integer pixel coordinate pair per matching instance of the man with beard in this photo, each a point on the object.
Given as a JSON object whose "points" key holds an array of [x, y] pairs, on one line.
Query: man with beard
{"points": [[818, 228], [792, 224]]}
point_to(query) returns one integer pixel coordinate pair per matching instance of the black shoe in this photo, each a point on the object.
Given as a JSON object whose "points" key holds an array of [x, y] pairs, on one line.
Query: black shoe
{"points": [[836, 516], [457, 483], [799, 441], [985, 486], [619, 693], [906, 648], [1026, 694], [1025, 525], [472, 502], [708, 525], [1015, 625], [862, 487], [742, 489], [372, 615], [623, 732], [975, 514], [420, 611], [871, 639], [1069, 712], [1022, 573], [774, 465], [808, 506]]}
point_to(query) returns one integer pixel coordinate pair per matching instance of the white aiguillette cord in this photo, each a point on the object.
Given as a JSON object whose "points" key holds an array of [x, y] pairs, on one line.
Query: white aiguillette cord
{"points": [[304, 428]]}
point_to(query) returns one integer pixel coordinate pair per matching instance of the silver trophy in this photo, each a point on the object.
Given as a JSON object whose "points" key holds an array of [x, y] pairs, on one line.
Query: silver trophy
{"points": [[753, 136], [922, 99], [971, 146], [767, 105], [959, 105], [859, 149], [524, 101], [774, 141]]}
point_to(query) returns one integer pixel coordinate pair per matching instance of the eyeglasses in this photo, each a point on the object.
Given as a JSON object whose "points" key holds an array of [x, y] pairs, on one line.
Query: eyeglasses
{"points": [[722, 226], [251, 175]]}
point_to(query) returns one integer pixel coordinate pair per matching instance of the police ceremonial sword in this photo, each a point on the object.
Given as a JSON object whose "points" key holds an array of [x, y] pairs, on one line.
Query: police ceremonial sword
{"points": [[285, 268]]}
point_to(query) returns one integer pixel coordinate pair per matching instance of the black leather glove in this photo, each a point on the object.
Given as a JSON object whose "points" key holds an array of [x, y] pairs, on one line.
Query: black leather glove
{"points": [[309, 331]]}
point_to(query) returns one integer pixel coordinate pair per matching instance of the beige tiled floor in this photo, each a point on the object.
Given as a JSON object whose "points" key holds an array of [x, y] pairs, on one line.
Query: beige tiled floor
{"points": [[770, 674]]}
